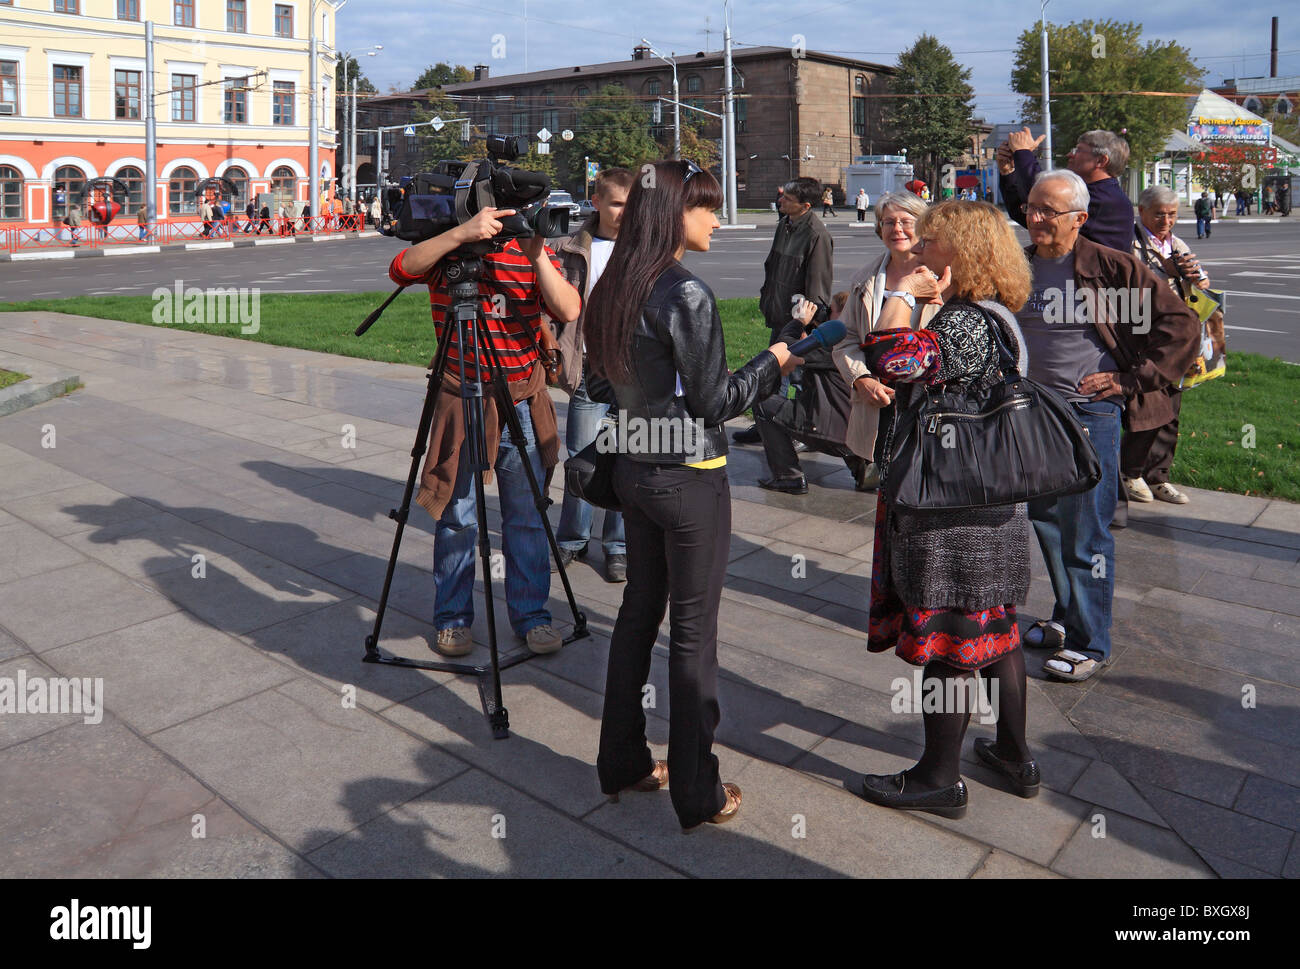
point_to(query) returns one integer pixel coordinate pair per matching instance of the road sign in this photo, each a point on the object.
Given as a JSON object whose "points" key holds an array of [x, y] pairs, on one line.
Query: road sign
{"points": [[543, 136], [409, 131], [566, 134], [543, 148], [437, 124], [593, 169]]}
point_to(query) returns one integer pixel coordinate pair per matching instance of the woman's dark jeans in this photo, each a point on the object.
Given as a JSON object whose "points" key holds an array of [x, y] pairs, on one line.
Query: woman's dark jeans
{"points": [[678, 526]]}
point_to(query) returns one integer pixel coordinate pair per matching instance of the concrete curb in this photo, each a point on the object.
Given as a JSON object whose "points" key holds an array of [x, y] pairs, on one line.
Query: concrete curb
{"points": [[43, 383], [91, 253]]}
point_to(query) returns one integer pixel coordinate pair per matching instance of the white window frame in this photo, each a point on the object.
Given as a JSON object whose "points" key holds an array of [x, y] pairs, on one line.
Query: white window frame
{"points": [[183, 67], [19, 54], [297, 23], [229, 72], [70, 58]]}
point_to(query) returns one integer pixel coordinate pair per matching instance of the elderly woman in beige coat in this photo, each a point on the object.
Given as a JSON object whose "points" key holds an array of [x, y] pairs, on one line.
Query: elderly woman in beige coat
{"points": [[896, 217]]}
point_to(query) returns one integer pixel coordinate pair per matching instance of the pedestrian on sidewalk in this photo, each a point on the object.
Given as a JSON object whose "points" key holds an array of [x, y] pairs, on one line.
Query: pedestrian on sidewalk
{"points": [[142, 221], [1145, 457], [1103, 365], [945, 584], [659, 328], [897, 214], [205, 216], [1241, 202], [1204, 216], [800, 263], [863, 203], [828, 203], [73, 221], [264, 221], [584, 257], [1098, 158], [250, 213]]}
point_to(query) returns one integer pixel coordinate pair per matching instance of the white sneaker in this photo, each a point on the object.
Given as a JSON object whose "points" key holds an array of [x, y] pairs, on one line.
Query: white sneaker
{"points": [[1137, 490], [456, 641], [1167, 492], [544, 639]]}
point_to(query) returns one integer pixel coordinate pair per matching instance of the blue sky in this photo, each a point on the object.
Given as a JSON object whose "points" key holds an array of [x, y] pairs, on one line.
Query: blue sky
{"points": [[416, 33]]}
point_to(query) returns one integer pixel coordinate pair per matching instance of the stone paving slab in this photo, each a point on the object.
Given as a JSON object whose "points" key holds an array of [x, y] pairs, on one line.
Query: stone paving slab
{"points": [[241, 695]]}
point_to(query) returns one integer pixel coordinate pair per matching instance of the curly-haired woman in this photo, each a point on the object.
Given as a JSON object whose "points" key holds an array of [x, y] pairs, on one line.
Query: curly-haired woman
{"points": [[945, 584]]}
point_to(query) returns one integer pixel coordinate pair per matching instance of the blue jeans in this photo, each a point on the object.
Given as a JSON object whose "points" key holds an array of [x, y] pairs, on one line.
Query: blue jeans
{"points": [[575, 514], [1074, 534], [1202, 226], [523, 541]]}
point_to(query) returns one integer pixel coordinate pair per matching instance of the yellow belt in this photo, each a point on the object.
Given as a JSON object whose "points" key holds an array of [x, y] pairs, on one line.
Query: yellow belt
{"points": [[711, 463]]}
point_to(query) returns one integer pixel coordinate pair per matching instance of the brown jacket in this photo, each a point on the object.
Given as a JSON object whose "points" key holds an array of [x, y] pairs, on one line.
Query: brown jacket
{"points": [[447, 434], [575, 263], [1151, 360]]}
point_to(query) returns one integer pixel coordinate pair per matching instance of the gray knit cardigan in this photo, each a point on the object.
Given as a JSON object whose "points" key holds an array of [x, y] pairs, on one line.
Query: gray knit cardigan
{"points": [[972, 559]]}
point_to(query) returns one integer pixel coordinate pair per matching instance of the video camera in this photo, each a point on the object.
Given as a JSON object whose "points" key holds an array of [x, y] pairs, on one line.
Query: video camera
{"points": [[430, 203]]}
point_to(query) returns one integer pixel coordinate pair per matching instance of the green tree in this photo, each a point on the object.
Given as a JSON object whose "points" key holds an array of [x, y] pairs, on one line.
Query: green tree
{"points": [[1095, 65], [364, 86], [703, 151], [613, 130], [436, 75], [933, 114]]}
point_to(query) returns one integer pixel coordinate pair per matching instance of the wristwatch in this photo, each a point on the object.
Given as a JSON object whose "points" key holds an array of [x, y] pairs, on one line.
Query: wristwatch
{"points": [[907, 298]]}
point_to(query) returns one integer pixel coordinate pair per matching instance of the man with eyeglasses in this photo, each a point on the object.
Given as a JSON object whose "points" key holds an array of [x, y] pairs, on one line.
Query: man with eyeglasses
{"points": [[1098, 158], [1105, 332]]}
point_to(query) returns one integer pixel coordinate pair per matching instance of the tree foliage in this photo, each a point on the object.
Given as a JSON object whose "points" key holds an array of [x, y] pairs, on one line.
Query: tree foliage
{"points": [[703, 151], [364, 85], [436, 75], [613, 130], [933, 117], [1100, 59], [1231, 168]]}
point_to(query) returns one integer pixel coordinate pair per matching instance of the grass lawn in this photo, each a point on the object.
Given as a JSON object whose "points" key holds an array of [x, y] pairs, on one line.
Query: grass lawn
{"points": [[1240, 433], [9, 378]]}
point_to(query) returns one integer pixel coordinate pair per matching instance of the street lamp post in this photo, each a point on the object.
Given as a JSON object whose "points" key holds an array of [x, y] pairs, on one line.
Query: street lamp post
{"points": [[1047, 104], [350, 112], [677, 110]]}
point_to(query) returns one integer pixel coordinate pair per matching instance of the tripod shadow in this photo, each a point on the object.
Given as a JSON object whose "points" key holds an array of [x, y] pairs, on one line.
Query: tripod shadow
{"points": [[394, 825]]}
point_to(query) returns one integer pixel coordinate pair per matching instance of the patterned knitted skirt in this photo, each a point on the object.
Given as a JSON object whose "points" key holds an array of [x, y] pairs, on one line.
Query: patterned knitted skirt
{"points": [[967, 638]]}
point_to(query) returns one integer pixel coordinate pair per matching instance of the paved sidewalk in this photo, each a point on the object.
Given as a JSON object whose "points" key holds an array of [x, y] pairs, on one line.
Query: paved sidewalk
{"points": [[236, 240], [227, 695]]}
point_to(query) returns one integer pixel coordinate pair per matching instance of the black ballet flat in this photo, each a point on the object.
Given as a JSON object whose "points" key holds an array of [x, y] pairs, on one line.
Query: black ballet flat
{"points": [[890, 790], [1024, 777]]}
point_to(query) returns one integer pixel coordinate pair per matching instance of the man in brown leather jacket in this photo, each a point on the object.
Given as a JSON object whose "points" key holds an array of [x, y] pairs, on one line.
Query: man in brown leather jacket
{"points": [[583, 257], [1101, 329]]}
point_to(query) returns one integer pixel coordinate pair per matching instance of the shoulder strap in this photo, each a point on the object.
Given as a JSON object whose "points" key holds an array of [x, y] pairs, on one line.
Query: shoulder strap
{"points": [[1006, 359]]}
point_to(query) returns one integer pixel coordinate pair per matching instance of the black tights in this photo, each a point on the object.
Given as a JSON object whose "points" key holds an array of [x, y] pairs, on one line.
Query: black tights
{"points": [[939, 765]]}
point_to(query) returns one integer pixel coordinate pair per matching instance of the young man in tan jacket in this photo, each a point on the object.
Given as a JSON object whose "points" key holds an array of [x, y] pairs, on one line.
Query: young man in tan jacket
{"points": [[584, 256]]}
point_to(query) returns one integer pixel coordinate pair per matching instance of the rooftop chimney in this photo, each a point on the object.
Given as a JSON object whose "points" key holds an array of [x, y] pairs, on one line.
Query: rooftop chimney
{"points": [[639, 52], [1272, 60], [480, 72]]}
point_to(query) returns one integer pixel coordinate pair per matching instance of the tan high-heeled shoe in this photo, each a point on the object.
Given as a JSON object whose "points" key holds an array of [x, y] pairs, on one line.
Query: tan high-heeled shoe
{"points": [[656, 780], [729, 810]]}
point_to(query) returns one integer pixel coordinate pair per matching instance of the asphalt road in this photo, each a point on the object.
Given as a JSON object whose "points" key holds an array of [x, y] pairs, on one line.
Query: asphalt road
{"points": [[1257, 263]]}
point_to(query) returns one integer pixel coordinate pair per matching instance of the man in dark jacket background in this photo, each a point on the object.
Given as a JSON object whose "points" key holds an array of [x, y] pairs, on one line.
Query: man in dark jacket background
{"points": [[800, 263], [1099, 158]]}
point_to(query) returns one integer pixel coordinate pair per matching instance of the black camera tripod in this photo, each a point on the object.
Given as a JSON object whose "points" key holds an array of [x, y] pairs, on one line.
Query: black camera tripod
{"points": [[463, 270]]}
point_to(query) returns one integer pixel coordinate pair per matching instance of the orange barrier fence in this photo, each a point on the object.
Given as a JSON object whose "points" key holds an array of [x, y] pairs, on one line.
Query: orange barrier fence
{"points": [[91, 236]]}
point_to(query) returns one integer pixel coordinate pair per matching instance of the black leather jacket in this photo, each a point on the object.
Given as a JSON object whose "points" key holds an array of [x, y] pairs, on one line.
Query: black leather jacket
{"points": [[680, 336]]}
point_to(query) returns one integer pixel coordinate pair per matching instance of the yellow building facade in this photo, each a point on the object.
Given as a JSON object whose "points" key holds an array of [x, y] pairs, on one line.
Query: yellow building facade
{"points": [[232, 88]]}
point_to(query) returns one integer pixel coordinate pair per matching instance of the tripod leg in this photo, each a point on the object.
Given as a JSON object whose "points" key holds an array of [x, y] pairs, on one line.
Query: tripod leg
{"points": [[498, 717], [401, 513]]}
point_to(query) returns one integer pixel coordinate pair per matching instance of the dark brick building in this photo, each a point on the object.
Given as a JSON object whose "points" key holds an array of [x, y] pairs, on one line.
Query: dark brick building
{"points": [[808, 115]]}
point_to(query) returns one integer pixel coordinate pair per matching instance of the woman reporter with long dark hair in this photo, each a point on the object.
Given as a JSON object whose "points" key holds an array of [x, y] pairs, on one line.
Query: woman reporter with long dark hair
{"points": [[654, 334]]}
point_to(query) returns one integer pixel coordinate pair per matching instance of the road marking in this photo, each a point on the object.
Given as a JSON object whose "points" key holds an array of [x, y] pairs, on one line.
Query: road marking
{"points": [[209, 245], [1251, 272], [61, 254], [130, 250], [1233, 292], [1253, 329]]}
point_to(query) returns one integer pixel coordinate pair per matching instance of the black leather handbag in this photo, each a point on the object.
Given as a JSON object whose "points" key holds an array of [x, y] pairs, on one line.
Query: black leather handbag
{"points": [[589, 474], [1012, 442]]}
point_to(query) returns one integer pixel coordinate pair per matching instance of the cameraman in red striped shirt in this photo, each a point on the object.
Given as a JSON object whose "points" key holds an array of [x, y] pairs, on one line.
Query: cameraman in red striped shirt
{"points": [[517, 282]]}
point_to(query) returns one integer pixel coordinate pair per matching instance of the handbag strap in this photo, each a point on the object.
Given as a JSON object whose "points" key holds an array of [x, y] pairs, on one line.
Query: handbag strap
{"points": [[1006, 359]]}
